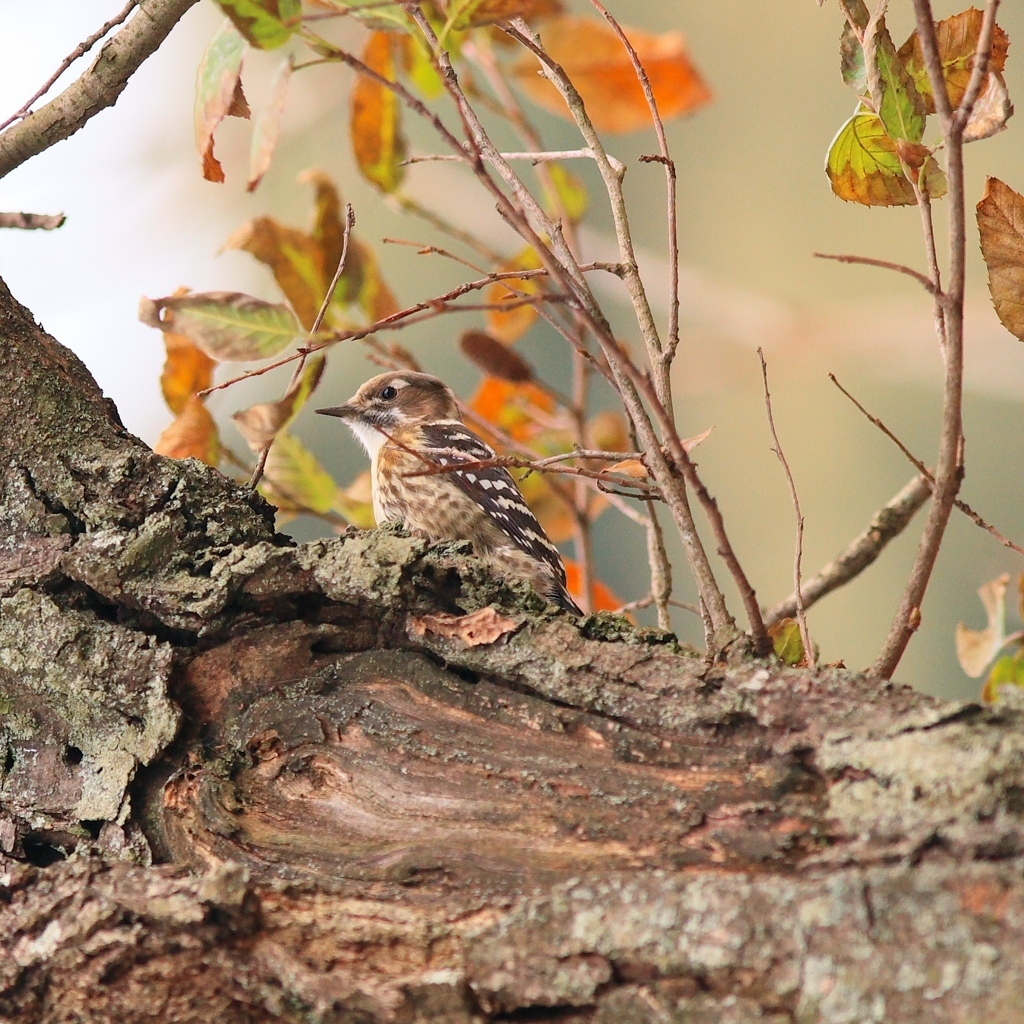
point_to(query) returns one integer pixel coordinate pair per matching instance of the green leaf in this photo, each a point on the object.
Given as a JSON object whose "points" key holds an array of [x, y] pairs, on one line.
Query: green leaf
{"points": [[864, 167], [851, 61], [1007, 671], [218, 93], [787, 642], [267, 24], [418, 65], [894, 96], [296, 476], [228, 326]]}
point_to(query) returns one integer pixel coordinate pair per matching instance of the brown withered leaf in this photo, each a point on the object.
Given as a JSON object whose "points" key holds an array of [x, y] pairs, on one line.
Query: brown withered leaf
{"points": [[991, 111], [187, 370], [376, 121], [475, 629], [192, 435], [218, 93], [260, 423], [494, 358], [1001, 224], [595, 60], [267, 129], [957, 38]]}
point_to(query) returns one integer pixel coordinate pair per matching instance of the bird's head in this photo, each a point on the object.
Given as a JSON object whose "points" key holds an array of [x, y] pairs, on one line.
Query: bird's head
{"points": [[389, 402]]}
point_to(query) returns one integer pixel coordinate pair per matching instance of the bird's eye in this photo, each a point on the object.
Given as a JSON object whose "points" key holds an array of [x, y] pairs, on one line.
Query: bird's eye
{"points": [[388, 393]]}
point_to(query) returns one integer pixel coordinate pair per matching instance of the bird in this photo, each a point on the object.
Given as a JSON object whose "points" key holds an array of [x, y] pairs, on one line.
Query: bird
{"points": [[410, 425]]}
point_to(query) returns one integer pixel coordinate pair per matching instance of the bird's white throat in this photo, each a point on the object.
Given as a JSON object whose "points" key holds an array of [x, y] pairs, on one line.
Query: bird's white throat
{"points": [[369, 437]]}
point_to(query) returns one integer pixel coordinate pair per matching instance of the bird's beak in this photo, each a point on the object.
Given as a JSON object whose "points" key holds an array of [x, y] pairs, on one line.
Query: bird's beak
{"points": [[346, 411]]}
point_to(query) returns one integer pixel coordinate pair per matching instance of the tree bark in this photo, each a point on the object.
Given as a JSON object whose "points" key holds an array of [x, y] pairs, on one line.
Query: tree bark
{"points": [[243, 780]]}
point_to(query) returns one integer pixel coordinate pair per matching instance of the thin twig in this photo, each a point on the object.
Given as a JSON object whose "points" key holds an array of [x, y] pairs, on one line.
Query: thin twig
{"points": [[958, 504], [350, 219], [867, 261], [97, 88], [801, 611], [646, 602], [32, 221], [79, 51], [886, 524], [949, 315]]}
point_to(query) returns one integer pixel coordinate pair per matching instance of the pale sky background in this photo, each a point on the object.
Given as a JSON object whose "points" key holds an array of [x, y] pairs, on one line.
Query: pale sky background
{"points": [[754, 205]]}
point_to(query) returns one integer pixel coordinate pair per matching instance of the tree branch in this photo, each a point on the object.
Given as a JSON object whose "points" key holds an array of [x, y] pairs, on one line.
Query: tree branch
{"points": [[97, 89]]}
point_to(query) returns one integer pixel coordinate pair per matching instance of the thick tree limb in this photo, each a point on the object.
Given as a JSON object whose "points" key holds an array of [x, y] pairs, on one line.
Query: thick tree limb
{"points": [[390, 823], [97, 89]]}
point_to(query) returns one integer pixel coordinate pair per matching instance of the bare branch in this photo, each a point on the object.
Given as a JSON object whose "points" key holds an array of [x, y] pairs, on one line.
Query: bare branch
{"points": [[97, 88], [886, 524], [350, 219], [32, 221], [868, 261], [79, 51], [801, 612]]}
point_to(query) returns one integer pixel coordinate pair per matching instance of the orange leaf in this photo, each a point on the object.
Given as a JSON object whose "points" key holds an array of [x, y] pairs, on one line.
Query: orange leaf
{"points": [[187, 370], [511, 324], [192, 435], [376, 123], [594, 58], [630, 467], [603, 599], [511, 406]]}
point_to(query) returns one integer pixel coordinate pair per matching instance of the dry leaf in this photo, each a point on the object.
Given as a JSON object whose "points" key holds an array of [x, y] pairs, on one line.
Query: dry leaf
{"points": [[218, 93], [630, 467], [478, 628], [594, 58], [991, 111], [1001, 225], [975, 648], [192, 435], [187, 369], [494, 358], [267, 129], [689, 443], [376, 122]]}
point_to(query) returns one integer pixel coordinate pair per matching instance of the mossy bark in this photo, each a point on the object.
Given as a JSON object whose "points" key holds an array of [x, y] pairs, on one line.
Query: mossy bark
{"points": [[242, 780]]}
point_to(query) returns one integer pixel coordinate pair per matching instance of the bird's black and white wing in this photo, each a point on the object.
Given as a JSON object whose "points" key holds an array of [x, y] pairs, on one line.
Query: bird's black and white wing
{"points": [[495, 492]]}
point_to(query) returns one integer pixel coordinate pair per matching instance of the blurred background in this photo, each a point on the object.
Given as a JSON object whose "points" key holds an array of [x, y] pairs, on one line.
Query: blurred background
{"points": [[754, 205]]}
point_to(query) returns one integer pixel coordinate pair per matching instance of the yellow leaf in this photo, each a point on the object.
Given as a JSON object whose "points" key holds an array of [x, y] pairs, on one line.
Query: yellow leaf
{"points": [[376, 122], [192, 435], [975, 648], [594, 58], [786, 641]]}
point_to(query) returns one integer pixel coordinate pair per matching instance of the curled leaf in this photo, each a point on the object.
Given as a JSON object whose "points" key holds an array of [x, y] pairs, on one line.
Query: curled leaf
{"points": [[1001, 225], [630, 467], [494, 358], [267, 129], [376, 122], [260, 423], [975, 648], [218, 93], [991, 111], [227, 326], [595, 60], [192, 435]]}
